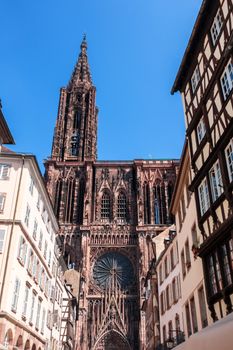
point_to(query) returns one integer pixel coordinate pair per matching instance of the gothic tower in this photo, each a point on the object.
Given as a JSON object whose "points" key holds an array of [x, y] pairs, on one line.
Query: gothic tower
{"points": [[108, 212], [76, 128]]}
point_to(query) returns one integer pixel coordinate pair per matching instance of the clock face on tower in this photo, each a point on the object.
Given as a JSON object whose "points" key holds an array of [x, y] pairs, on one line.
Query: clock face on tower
{"points": [[113, 267]]}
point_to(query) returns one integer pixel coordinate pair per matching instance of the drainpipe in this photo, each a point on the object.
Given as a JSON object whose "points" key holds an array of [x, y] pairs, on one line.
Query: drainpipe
{"points": [[12, 228]]}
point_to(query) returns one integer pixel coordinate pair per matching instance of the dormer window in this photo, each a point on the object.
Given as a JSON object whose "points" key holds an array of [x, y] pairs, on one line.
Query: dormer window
{"points": [[201, 130], [216, 27], [195, 78]]}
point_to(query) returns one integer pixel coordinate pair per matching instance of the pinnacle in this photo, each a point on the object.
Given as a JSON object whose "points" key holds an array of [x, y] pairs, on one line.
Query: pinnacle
{"points": [[81, 73]]}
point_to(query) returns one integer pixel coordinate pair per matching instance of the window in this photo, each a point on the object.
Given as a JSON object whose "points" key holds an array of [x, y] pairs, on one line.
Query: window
{"points": [[188, 321], [15, 295], [202, 305], [4, 171], [227, 80], [166, 267], [161, 303], [49, 258], [193, 315], [216, 181], [229, 159], [213, 288], [187, 255], [201, 130], [34, 234], [195, 78], [40, 240], [32, 308], [27, 215], [216, 27], [121, 207], [22, 253], [226, 264], [38, 202], [203, 193], [25, 301], [2, 201], [168, 298], [160, 274], [38, 313], [2, 236], [183, 263], [30, 261], [43, 321], [172, 259], [105, 206], [45, 249], [31, 186], [175, 290]]}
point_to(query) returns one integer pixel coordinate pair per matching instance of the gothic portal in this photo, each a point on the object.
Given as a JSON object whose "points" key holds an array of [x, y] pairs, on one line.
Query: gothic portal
{"points": [[108, 212]]}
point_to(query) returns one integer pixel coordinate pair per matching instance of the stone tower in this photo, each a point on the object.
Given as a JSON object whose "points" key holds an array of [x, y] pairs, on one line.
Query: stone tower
{"points": [[108, 212]]}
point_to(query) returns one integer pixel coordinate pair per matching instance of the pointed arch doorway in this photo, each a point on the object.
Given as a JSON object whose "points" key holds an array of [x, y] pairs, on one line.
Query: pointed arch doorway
{"points": [[112, 340]]}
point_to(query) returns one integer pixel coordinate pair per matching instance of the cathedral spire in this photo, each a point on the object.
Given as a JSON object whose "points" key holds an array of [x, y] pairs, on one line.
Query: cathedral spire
{"points": [[81, 73], [75, 136]]}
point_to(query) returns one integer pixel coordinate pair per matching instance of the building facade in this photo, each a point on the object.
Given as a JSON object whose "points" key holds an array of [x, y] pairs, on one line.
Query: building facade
{"points": [[32, 288], [205, 80], [107, 211]]}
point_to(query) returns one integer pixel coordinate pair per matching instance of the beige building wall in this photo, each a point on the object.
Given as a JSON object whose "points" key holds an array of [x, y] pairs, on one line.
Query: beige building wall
{"points": [[169, 291], [31, 282], [193, 301]]}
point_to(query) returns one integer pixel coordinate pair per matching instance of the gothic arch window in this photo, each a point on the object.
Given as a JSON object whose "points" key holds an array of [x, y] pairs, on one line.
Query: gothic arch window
{"points": [[70, 191], [106, 206], [160, 210], [121, 207], [147, 209], [80, 202], [58, 193]]}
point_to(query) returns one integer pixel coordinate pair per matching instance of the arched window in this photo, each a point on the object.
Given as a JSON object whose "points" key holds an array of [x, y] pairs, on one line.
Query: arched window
{"points": [[147, 213], [121, 207], [80, 206], [105, 206], [160, 211]]}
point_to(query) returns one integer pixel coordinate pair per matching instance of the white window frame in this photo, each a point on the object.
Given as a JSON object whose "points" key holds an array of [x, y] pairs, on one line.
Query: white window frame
{"points": [[31, 186], [216, 27], [201, 130], [2, 238], [216, 181], [204, 198], [15, 297], [229, 159], [27, 215], [226, 80], [4, 171], [38, 313], [32, 308], [2, 201], [25, 301], [22, 252], [43, 321], [196, 77], [35, 227]]}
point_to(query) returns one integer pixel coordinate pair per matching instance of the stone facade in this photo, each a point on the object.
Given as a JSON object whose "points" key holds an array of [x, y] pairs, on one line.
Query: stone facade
{"points": [[108, 212]]}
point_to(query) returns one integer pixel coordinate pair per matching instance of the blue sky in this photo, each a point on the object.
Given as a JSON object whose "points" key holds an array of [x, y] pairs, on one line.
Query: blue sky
{"points": [[134, 47]]}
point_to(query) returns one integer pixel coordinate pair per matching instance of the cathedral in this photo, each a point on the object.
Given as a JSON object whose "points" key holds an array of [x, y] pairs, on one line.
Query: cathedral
{"points": [[108, 212]]}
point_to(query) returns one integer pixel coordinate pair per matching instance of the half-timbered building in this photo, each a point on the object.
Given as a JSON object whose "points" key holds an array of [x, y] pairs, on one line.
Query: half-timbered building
{"points": [[108, 212], [205, 80]]}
